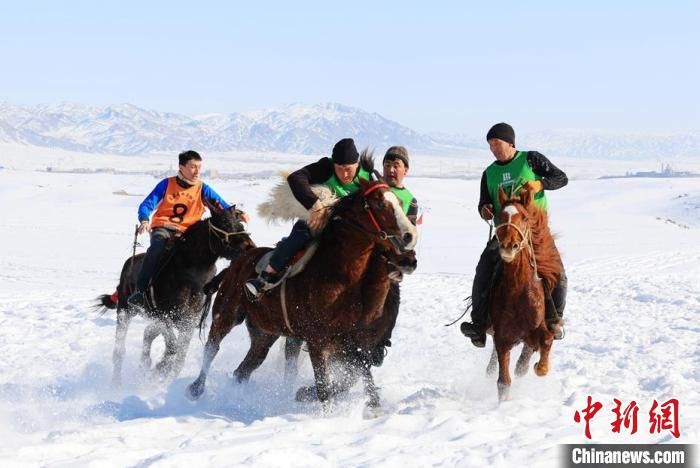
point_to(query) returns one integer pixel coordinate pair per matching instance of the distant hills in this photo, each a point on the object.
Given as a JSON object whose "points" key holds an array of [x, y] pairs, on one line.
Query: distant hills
{"points": [[302, 129]]}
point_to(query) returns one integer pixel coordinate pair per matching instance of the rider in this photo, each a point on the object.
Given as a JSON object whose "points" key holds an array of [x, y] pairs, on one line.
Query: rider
{"points": [[175, 203], [341, 173], [512, 170], [395, 167]]}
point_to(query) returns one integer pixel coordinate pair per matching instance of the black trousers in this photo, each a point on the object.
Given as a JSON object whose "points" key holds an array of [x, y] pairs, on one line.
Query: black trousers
{"points": [[288, 246], [488, 270], [159, 239]]}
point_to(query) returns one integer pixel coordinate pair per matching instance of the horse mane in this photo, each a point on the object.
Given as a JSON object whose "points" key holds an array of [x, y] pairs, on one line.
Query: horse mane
{"points": [[546, 253], [367, 160]]}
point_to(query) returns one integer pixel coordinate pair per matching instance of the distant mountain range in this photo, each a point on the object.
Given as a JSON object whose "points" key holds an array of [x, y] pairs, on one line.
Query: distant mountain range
{"points": [[302, 129]]}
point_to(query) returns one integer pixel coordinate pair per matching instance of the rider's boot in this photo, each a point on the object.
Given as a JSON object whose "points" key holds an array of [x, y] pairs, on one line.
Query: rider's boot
{"points": [[256, 286], [476, 332]]}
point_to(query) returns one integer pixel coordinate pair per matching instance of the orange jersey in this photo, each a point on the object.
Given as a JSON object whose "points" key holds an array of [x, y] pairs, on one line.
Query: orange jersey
{"points": [[180, 207]]}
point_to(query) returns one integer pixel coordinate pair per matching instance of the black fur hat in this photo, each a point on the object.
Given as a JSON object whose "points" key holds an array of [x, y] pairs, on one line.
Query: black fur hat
{"points": [[345, 152]]}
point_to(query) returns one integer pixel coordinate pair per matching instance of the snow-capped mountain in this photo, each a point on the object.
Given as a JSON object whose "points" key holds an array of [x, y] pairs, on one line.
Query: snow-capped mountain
{"points": [[297, 128], [127, 129]]}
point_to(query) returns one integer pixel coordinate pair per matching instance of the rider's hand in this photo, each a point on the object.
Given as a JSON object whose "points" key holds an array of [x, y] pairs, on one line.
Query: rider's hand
{"points": [[487, 212], [317, 216], [145, 226], [245, 217], [534, 186]]}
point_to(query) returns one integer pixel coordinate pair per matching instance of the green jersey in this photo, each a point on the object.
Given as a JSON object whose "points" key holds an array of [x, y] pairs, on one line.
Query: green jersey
{"points": [[340, 189], [512, 176]]}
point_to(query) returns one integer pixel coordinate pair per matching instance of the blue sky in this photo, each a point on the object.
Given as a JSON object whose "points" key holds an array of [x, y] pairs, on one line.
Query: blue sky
{"points": [[434, 66]]}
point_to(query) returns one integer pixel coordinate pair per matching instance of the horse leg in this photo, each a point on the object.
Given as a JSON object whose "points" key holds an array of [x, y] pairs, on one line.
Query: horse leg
{"points": [[221, 325], [181, 346], [123, 318], [292, 348], [503, 372], [493, 362], [260, 344], [373, 407], [164, 367], [542, 366], [523, 361], [319, 362], [150, 333]]}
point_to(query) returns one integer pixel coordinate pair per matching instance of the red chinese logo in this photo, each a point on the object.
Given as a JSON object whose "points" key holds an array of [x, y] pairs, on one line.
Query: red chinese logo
{"points": [[662, 417]]}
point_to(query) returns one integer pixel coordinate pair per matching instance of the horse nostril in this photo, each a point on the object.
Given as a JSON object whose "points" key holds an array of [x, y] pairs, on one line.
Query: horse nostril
{"points": [[407, 238]]}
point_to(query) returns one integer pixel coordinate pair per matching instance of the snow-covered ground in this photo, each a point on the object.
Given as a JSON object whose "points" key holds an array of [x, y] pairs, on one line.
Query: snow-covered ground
{"points": [[632, 252]]}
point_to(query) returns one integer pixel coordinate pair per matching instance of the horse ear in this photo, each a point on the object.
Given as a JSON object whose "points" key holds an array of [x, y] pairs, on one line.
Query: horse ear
{"points": [[215, 209], [502, 198], [526, 195]]}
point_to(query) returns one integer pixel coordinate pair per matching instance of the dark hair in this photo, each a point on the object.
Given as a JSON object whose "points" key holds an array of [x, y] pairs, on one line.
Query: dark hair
{"points": [[187, 156]]}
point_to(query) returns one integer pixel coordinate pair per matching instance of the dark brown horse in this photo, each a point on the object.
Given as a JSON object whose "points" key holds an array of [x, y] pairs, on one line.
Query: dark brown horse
{"points": [[357, 352], [517, 302], [342, 289], [176, 298]]}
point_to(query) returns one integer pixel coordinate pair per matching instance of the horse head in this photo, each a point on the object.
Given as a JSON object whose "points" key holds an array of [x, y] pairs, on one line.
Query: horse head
{"points": [[381, 214], [513, 230], [227, 235]]}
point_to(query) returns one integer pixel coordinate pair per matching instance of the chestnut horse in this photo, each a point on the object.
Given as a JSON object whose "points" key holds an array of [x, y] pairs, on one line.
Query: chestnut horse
{"points": [[358, 351], [517, 301], [342, 289], [176, 298]]}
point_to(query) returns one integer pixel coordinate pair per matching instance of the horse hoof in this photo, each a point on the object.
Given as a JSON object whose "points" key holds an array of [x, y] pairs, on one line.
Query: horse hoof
{"points": [[306, 394], [520, 371], [372, 411], [194, 391], [503, 392], [541, 371]]}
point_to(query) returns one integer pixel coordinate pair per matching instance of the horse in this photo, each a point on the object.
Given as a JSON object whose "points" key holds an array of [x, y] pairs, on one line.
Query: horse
{"points": [[517, 302], [343, 287], [176, 298], [359, 350]]}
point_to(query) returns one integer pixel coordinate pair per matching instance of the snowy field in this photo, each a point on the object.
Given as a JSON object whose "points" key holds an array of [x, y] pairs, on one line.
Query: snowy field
{"points": [[632, 252]]}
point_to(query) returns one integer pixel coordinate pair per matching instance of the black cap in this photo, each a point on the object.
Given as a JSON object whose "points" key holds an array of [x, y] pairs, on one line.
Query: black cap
{"points": [[344, 152], [502, 131]]}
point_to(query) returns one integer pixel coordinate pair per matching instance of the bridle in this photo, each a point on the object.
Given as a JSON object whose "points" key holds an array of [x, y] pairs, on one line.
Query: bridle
{"points": [[223, 235], [526, 242], [396, 241]]}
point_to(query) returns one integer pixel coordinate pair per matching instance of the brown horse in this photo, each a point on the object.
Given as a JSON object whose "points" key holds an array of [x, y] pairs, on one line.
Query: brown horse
{"points": [[342, 288], [358, 351], [517, 302]]}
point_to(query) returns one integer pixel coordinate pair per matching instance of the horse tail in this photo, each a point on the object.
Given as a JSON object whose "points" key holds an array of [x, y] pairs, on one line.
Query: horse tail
{"points": [[106, 301], [205, 310]]}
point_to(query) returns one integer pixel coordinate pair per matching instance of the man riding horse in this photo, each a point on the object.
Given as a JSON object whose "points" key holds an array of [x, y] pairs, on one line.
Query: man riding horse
{"points": [[175, 204], [511, 171], [341, 173]]}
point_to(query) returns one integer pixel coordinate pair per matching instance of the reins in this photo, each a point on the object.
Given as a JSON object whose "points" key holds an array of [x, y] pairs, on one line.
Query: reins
{"points": [[222, 235]]}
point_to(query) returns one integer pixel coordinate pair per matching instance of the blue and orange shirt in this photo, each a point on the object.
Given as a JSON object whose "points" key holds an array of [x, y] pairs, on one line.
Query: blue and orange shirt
{"points": [[178, 205]]}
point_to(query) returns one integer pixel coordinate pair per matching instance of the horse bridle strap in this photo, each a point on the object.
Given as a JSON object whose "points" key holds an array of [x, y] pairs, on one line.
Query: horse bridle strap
{"points": [[224, 235], [526, 242], [382, 234]]}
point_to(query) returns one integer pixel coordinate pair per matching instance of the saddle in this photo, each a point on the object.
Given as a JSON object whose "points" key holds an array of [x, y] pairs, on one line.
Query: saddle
{"points": [[296, 264]]}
